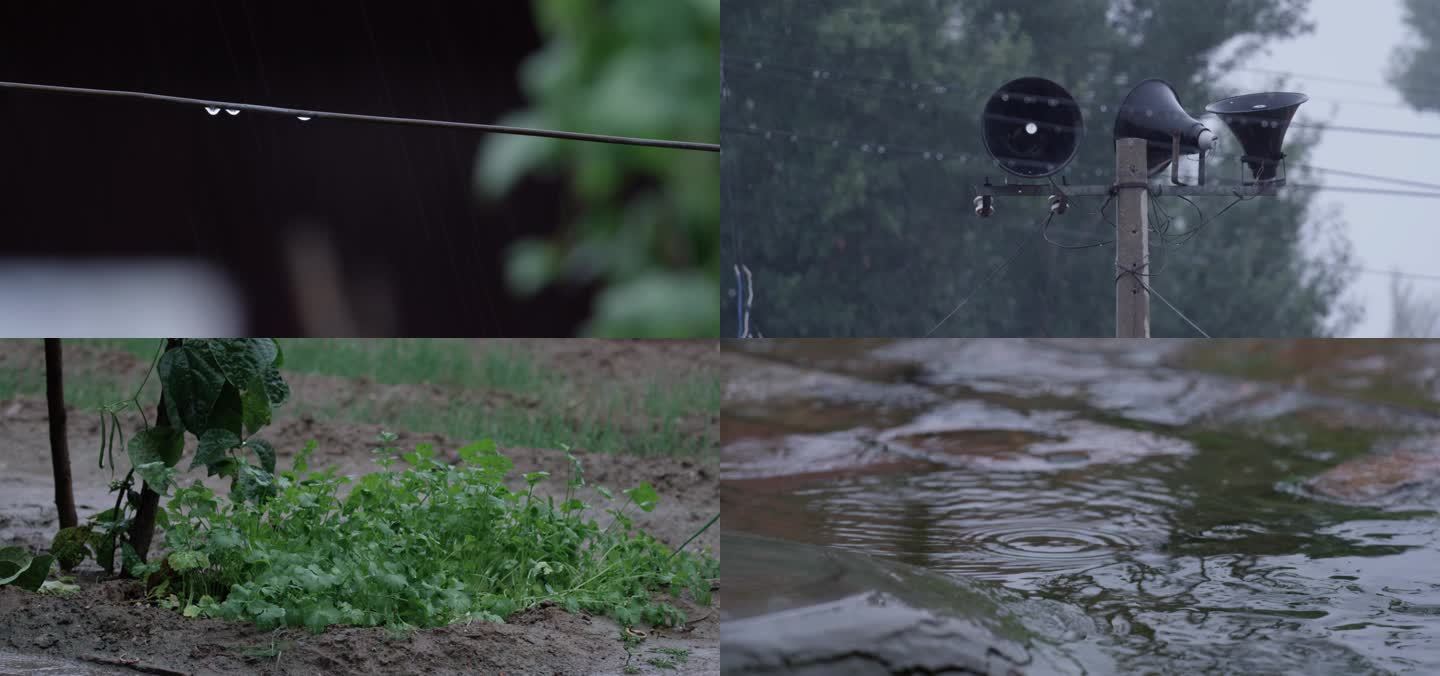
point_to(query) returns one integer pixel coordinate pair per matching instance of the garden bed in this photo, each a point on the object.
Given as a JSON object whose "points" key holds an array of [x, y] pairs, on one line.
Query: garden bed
{"points": [[108, 627]]}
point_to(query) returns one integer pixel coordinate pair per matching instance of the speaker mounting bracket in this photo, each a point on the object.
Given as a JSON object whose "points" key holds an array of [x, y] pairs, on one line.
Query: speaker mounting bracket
{"points": [[1157, 188]]}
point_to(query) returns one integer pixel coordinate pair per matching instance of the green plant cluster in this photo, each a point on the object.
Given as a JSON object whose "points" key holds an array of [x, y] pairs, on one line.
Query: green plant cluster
{"points": [[426, 545], [221, 391], [648, 223]]}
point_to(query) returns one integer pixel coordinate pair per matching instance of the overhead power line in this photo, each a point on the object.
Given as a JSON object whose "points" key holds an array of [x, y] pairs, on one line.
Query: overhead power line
{"points": [[1369, 130], [824, 77], [228, 106], [1372, 177], [1337, 80], [940, 155]]}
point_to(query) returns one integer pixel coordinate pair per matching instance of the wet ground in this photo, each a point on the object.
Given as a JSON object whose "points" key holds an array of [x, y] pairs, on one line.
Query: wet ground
{"points": [[1212, 507]]}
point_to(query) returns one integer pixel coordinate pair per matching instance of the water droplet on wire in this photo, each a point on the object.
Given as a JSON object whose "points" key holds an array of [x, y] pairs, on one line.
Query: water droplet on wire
{"points": [[212, 111], [302, 118], [232, 111]]}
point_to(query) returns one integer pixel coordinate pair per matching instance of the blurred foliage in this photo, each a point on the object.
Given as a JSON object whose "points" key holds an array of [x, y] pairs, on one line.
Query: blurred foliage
{"points": [[851, 133], [648, 220], [1413, 67]]}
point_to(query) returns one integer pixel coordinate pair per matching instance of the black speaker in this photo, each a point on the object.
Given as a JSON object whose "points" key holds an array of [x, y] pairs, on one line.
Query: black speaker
{"points": [[1032, 127], [1152, 111], [1259, 122]]}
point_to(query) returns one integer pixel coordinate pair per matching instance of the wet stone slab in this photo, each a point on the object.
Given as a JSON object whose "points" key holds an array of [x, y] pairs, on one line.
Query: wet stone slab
{"points": [[1408, 474], [977, 434], [815, 610], [1126, 380]]}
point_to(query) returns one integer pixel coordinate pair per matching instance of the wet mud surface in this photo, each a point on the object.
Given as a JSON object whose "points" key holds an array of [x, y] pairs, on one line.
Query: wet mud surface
{"points": [[1214, 507]]}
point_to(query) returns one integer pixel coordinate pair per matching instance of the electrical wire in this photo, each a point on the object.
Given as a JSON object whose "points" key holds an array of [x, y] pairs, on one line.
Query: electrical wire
{"points": [[822, 77], [1044, 229], [1337, 80], [355, 117], [1174, 309], [1373, 177], [994, 273], [1405, 133], [886, 149]]}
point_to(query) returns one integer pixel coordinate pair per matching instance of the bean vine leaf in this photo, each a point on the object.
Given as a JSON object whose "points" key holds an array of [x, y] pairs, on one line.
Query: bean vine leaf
{"points": [[222, 391]]}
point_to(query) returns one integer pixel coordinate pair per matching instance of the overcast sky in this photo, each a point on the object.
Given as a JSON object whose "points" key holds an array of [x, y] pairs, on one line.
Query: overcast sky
{"points": [[1354, 40]]}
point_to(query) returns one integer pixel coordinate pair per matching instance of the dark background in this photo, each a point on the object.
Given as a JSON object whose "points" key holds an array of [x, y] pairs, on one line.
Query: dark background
{"points": [[100, 177]]}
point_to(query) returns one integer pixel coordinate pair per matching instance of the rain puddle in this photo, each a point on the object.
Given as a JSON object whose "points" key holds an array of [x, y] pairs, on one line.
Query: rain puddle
{"points": [[1206, 510]]}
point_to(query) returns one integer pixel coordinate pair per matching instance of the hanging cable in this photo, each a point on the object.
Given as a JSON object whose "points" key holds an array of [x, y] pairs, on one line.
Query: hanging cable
{"points": [[1174, 309], [994, 273], [355, 117]]}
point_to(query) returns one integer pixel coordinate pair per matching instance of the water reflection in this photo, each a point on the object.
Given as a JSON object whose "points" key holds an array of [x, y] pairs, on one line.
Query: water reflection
{"points": [[1169, 504]]}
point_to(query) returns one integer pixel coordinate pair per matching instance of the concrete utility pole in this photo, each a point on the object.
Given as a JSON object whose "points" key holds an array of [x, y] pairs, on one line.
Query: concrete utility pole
{"points": [[1132, 239]]}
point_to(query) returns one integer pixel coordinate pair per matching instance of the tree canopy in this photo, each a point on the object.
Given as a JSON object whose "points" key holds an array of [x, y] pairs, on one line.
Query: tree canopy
{"points": [[851, 135], [1413, 68]]}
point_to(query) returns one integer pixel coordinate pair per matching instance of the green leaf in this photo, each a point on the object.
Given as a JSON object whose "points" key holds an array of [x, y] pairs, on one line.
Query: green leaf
{"points": [[532, 478], [658, 305], [322, 616], [58, 588], [473, 452], [252, 485], [13, 562], [272, 615], [484, 456], [530, 265], [264, 452], [301, 463], [227, 413], [215, 445], [243, 360], [157, 444], [275, 387], [34, 575], [504, 159], [255, 405], [184, 561], [644, 496], [69, 546], [223, 467], [156, 475], [192, 383], [104, 546], [129, 559]]}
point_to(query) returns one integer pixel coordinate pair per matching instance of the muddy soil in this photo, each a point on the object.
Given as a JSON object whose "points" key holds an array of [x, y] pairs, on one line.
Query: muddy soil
{"points": [[105, 627]]}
